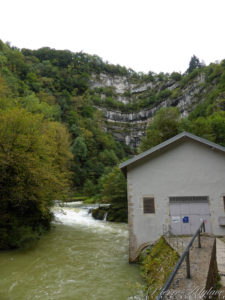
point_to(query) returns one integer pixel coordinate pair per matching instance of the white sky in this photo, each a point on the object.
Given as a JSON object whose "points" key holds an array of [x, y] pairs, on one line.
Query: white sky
{"points": [[145, 35]]}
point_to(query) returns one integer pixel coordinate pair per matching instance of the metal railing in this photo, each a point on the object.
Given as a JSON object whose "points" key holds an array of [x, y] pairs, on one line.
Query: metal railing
{"points": [[185, 256], [173, 239]]}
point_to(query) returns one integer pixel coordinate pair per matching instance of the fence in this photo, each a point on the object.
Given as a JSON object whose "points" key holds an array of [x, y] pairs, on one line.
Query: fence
{"points": [[185, 256]]}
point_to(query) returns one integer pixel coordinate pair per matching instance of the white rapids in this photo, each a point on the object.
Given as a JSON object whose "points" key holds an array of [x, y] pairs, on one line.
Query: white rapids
{"points": [[79, 215]]}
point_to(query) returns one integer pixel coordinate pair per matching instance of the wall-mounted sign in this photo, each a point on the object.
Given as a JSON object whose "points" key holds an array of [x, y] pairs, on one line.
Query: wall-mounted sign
{"points": [[186, 219], [201, 219], [175, 219]]}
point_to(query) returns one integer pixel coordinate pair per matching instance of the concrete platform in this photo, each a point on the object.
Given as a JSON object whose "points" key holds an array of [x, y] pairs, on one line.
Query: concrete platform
{"points": [[200, 264]]}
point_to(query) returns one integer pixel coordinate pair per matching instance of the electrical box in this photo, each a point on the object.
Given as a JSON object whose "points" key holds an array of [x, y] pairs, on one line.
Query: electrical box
{"points": [[221, 221]]}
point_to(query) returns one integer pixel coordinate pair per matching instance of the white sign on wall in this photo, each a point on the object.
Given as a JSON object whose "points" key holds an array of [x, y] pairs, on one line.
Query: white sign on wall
{"points": [[176, 219]]}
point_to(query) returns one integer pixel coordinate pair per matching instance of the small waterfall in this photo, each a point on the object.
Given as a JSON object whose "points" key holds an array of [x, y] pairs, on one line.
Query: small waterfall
{"points": [[105, 216], [77, 213]]}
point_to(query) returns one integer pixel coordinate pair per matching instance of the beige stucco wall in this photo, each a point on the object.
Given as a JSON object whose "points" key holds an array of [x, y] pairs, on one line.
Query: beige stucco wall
{"points": [[187, 169]]}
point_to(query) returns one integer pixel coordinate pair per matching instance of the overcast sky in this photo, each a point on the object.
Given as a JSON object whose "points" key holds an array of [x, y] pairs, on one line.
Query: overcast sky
{"points": [[145, 35]]}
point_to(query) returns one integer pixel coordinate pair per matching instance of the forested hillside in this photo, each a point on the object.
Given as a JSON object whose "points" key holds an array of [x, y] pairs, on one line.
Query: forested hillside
{"points": [[52, 145], [68, 119]]}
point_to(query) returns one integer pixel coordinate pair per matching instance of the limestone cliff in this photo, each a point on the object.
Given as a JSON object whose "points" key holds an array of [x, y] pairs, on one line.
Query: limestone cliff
{"points": [[128, 121]]}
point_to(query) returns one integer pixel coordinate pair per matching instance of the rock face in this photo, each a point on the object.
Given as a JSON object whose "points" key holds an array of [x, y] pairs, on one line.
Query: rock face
{"points": [[130, 127]]}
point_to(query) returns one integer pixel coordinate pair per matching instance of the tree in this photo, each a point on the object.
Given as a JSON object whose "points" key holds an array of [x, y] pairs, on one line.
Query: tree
{"points": [[114, 191], [4, 92], [165, 125], [33, 104], [115, 187], [194, 64], [217, 123], [33, 172], [176, 76], [79, 148]]}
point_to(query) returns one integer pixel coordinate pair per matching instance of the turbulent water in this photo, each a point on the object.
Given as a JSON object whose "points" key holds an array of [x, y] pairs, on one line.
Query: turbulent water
{"points": [[79, 259]]}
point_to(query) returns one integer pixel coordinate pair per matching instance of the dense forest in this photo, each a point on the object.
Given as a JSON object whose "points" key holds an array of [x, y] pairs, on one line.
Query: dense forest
{"points": [[53, 142]]}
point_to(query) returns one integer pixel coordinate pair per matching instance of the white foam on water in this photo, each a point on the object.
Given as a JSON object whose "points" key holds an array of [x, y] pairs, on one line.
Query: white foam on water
{"points": [[81, 217], [75, 203], [73, 216]]}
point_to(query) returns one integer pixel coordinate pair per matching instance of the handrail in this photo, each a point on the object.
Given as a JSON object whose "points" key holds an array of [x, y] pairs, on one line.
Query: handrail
{"points": [[184, 255]]}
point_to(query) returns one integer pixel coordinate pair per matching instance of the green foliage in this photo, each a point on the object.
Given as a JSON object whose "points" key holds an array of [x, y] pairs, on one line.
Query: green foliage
{"points": [[213, 101], [108, 157], [176, 76], [33, 172], [79, 148], [194, 64], [164, 94], [217, 125], [214, 72], [89, 188], [33, 104], [113, 189], [157, 265], [165, 125]]}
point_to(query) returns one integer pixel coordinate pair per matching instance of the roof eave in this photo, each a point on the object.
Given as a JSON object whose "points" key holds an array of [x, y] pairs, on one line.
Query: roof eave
{"points": [[123, 166]]}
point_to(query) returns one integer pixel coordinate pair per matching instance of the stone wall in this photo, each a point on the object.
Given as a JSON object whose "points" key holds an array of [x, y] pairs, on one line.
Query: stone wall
{"points": [[212, 277]]}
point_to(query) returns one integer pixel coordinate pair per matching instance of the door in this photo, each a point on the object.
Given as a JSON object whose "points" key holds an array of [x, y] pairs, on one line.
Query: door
{"points": [[186, 214]]}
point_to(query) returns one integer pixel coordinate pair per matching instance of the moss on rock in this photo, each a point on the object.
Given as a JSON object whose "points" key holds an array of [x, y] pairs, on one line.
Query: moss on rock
{"points": [[156, 266], [98, 213], [114, 214]]}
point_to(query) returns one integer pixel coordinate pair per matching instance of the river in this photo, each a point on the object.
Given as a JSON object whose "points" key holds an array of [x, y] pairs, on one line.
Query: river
{"points": [[79, 259]]}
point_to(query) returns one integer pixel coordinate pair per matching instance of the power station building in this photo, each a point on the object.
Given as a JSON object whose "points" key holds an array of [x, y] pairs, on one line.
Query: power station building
{"points": [[175, 185]]}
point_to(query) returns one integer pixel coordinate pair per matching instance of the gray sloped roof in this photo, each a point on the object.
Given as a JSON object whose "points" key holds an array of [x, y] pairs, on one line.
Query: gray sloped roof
{"points": [[174, 139]]}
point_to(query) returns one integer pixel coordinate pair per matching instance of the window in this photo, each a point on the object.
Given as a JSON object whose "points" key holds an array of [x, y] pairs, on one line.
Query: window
{"points": [[149, 205]]}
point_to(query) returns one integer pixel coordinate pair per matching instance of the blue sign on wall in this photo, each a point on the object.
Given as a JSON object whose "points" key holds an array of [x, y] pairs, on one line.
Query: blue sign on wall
{"points": [[185, 219]]}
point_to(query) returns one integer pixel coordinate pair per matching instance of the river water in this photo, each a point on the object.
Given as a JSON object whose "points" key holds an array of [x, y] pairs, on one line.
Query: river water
{"points": [[79, 259]]}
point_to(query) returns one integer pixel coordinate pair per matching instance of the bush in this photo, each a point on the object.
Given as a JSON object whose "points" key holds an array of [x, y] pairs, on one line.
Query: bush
{"points": [[176, 76]]}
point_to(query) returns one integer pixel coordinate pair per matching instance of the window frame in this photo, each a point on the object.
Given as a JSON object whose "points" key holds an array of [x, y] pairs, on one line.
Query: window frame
{"points": [[148, 208]]}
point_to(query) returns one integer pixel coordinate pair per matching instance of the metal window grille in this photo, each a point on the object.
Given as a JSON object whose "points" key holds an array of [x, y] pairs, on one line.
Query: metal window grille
{"points": [[189, 199], [149, 205]]}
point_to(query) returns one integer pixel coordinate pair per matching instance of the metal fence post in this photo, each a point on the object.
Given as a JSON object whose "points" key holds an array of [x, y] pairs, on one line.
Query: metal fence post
{"points": [[203, 226], [188, 265], [199, 240]]}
